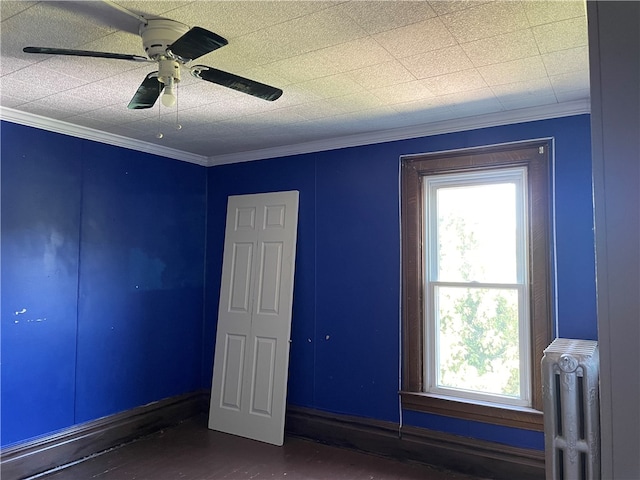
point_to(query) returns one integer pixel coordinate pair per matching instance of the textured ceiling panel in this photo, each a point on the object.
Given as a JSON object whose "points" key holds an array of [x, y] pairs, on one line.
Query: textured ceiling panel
{"points": [[347, 69]]}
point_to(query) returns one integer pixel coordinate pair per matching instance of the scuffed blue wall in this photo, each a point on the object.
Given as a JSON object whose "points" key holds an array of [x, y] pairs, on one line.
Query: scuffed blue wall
{"points": [[346, 317], [41, 189], [103, 249]]}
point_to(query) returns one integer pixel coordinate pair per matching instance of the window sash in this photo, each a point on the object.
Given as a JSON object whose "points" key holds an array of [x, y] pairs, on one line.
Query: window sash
{"points": [[432, 368]]}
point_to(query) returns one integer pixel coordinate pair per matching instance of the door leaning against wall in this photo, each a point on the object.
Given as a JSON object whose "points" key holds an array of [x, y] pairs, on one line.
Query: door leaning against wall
{"points": [[248, 396]]}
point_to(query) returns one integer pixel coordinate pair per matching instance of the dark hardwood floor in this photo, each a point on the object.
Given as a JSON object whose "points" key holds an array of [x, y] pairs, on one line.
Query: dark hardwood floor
{"points": [[191, 451]]}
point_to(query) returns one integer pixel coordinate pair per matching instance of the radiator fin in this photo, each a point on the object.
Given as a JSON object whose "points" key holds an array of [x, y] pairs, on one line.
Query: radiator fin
{"points": [[570, 370]]}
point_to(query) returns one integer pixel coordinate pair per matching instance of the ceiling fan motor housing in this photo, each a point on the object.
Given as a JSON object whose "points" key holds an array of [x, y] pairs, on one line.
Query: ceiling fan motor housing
{"points": [[160, 33], [167, 69]]}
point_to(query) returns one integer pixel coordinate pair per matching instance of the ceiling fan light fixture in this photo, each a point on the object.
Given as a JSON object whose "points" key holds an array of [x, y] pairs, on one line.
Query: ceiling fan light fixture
{"points": [[169, 96], [169, 74]]}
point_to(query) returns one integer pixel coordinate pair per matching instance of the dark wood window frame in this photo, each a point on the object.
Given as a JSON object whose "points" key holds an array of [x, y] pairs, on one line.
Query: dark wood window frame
{"points": [[534, 155]]}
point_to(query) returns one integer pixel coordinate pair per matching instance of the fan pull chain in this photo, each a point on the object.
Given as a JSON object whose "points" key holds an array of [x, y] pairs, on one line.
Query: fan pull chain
{"points": [[178, 126], [159, 134]]}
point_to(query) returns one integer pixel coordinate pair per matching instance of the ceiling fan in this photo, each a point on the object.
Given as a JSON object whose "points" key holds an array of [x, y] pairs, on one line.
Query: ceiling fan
{"points": [[171, 45]]}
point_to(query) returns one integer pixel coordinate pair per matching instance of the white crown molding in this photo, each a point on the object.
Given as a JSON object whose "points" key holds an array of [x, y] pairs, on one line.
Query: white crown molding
{"points": [[59, 126], [545, 112], [448, 126]]}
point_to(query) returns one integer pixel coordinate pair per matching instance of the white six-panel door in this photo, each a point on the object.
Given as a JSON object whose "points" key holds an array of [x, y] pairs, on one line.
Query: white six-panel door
{"points": [[251, 363]]}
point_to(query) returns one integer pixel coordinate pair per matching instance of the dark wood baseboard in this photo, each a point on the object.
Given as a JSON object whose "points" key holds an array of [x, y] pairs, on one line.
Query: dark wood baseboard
{"points": [[80, 441], [465, 455]]}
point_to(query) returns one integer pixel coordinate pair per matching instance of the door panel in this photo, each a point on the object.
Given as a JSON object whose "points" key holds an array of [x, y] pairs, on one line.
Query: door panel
{"points": [[232, 371], [240, 277], [270, 278], [264, 366], [254, 318]]}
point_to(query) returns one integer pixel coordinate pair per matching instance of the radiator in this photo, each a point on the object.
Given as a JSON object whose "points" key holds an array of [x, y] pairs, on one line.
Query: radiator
{"points": [[571, 410]]}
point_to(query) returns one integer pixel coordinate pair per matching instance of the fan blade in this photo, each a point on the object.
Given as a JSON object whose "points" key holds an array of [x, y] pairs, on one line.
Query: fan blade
{"points": [[84, 53], [235, 82], [195, 43], [147, 93]]}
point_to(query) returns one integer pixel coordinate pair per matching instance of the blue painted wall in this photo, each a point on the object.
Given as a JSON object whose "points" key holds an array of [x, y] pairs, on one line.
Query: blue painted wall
{"points": [[103, 251], [346, 315]]}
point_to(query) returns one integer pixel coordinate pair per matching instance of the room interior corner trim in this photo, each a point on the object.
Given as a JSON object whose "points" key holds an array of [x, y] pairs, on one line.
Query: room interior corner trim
{"points": [[78, 131], [80, 441]]}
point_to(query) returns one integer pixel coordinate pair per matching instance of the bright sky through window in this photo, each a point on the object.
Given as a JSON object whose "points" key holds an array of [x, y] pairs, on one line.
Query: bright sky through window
{"points": [[476, 284]]}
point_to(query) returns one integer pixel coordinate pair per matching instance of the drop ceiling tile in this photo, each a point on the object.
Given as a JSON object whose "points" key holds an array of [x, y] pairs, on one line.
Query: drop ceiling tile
{"points": [[117, 42], [10, 102], [534, 87], [455, 82], [103, 94], [570, 81], [501, 48], [437, 62], [191, 97], [321, 29], [486, 20], [528, 101], [67, 26], [304, 67], [234, 19], [403, 92], [121, 130], [121, 115], [379, 16], [541, 12], [202, 121], [11, 8], [479, 102], [258, 48], [331, 86], [95, 123], [37, 108], [416, 38], [572, 95], [276, 118], [513, 71], [91, 70], [68, 103], [319, 110], [354, 102], [381, 75], [316, 110], [410, 115], [561, 35], [355, 54], [45, 78], [566, 61], [462, 99], [27, 91], [443, 7], [152, 9], [433, 103], [10, 64]]}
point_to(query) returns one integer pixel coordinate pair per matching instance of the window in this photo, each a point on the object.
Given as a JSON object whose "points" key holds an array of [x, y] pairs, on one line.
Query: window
{"points": [[476, 282]]}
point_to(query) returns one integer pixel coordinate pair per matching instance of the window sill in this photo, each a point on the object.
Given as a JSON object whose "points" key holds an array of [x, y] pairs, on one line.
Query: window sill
{"points": [[517, 417]]}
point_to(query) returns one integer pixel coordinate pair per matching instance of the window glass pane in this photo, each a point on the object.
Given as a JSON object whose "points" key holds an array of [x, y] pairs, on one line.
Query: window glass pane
{"points": [[476, 233], [477, 339]]}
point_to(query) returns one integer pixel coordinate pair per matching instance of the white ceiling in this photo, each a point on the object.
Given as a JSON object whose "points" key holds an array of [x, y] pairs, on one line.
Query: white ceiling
{"points": [[352, 71]]}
